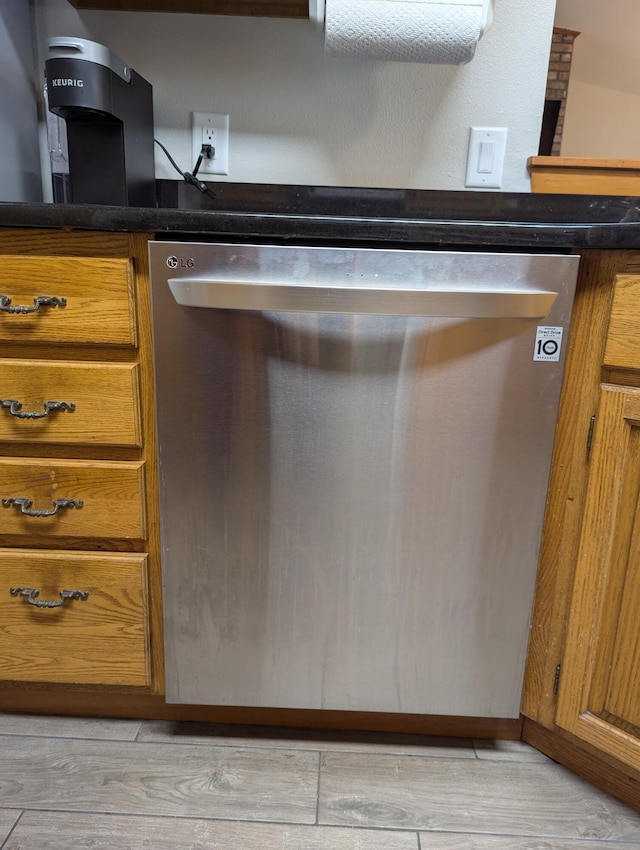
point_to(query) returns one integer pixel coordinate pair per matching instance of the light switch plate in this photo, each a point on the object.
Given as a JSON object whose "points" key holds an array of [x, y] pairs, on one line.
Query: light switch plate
{"points": [[485, 158]]}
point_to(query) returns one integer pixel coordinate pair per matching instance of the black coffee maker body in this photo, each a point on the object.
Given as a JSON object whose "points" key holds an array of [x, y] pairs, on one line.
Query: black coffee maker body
{"points": [[108, 111]]}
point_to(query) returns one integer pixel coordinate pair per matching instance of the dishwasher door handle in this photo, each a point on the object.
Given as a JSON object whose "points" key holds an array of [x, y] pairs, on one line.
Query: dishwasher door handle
{"points": [[288, 297]]}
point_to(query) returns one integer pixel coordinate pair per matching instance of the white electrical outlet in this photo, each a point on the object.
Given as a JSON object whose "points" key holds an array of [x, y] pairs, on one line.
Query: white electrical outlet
{"points": [[210, 129]]}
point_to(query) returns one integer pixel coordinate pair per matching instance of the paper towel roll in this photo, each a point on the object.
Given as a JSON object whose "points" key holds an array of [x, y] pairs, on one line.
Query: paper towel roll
{"points": [[441, 33]]}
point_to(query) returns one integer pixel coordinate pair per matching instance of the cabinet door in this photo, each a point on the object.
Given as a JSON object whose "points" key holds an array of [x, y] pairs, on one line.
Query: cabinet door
{"points": [[623, 341], [599, 698]]}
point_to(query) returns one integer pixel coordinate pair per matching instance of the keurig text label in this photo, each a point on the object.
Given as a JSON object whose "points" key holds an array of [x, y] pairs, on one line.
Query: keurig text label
{"points": [[60, 82]]}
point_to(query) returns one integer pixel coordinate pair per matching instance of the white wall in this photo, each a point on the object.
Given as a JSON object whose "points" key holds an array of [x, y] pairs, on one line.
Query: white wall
{"points": [[297, 116], [601, 122], [19, 155]]}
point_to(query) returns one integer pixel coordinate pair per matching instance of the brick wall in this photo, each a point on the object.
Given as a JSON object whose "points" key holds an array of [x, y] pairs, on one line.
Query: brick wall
{"points": [[558, 77]]}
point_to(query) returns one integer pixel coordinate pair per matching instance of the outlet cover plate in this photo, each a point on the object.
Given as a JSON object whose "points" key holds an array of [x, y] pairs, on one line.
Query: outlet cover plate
{"points": [[213, 128]]}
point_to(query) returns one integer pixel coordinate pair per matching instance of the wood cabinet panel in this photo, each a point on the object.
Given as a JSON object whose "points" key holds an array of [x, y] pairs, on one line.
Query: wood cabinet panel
{"points": [[584, 175], [623, 338], [569, 479], [112, 497], [105, 396], [98, 297], [94, 353], [99, 640], [599, 691], [254, 8]]}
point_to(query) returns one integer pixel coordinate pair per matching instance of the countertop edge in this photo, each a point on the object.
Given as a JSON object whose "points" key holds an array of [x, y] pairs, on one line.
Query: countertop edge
{"points": [[286, 225]]}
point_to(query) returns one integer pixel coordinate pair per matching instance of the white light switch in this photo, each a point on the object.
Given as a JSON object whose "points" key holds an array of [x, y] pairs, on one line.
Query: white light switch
{"points": [[485, 158]]}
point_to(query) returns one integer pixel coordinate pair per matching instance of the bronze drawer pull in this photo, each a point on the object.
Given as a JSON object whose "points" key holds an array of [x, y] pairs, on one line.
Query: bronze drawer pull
{"points": [[40, 301], [25, 506], [15, 408], [31, 593]]}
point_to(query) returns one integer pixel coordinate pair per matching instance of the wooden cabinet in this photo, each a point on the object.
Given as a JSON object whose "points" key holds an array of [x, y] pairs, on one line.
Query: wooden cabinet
{"points": [[254, 8], [622, 347], [581, 699], [79, 570], [599, 693]]}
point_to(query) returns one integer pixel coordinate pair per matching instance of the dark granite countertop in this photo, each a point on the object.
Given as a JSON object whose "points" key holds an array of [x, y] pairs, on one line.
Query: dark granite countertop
{"points": [[322, 214]]}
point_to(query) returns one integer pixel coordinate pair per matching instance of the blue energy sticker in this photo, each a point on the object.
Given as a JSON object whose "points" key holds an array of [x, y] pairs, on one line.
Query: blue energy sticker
{"points": [[548, 343]]}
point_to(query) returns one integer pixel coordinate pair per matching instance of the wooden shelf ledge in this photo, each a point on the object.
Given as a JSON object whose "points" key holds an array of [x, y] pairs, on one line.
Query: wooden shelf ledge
{"points": [[584, 175], [255, 8]]}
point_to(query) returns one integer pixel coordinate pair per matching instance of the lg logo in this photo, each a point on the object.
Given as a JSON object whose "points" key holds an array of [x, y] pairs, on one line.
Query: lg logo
{"points": [[184, 263]]}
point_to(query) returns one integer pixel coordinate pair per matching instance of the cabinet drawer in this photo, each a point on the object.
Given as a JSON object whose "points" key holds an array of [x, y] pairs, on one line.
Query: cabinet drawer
{"points": [[623, 337], [78, 499], [95, 300], [104, 398], [101, 639]]}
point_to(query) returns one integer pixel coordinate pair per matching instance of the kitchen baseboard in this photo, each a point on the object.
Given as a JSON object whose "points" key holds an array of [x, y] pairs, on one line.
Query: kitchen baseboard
{"points": [[96, 703]]}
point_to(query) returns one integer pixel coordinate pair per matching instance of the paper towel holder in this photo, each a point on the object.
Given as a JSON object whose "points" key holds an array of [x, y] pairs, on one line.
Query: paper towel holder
{"points": [[316, 14]]}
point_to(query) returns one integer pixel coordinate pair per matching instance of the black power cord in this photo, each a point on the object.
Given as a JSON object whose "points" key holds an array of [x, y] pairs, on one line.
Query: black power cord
{"points": [[190, 176]]}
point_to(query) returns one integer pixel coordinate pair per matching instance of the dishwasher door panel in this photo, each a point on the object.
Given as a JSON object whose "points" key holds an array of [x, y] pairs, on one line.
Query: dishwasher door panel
{"points": [[351, 505]]}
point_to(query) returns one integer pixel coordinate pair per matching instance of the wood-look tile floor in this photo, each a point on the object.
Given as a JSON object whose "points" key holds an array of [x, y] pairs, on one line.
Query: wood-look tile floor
{"points": [[75, 784]]}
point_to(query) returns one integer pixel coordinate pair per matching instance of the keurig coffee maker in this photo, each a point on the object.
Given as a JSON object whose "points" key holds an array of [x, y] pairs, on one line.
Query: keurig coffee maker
{"points": [[108, 112]]}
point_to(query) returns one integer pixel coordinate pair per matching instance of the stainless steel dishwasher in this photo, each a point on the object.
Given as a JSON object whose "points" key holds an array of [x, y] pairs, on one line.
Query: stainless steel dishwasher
{"points": [[354, 454]]}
